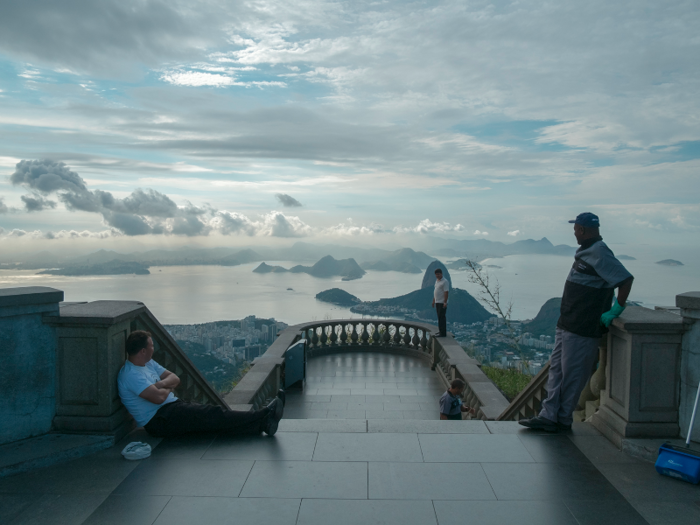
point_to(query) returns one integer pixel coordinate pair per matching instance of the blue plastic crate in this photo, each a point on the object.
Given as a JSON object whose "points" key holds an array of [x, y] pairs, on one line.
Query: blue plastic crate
{"points": [[679, 463]]}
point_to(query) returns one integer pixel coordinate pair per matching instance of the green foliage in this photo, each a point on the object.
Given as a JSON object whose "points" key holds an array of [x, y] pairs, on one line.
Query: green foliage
{"points": [[510, 381]]}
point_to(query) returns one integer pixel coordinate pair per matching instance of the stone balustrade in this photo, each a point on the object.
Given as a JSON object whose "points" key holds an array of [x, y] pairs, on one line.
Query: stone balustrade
{"points": [[444, 355]]}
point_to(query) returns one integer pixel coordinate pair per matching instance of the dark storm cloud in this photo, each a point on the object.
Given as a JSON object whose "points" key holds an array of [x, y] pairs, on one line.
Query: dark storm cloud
{"points": [[47, 176], [36, 203], [108, 35], [287, 200]]}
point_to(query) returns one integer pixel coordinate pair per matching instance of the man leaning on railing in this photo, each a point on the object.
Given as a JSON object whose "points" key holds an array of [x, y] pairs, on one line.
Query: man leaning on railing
{"points": [[586, 312], [146, 390]]}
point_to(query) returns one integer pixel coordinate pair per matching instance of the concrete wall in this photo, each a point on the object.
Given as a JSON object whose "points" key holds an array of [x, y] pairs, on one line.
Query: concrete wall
{"points": [[689, 304], [27, 362]]}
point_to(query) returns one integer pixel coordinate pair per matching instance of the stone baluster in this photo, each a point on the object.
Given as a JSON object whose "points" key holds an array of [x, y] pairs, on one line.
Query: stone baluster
{"points": [[397, 336], [365, 333], [386, 336], [376, 336], [334, 334], [344, 334], [354, 336]]}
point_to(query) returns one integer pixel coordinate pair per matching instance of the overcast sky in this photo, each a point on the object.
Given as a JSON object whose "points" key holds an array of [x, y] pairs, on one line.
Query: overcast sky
{"points": [[225, 122]]}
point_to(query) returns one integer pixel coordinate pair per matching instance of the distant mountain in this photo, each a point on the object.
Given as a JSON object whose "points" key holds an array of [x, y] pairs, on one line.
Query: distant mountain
{"points": [[338, 296], [625, 258], [404, 260], [108, 268], [242, 257], [545, 322], [670, 262], [266, 268], [348, 269], [429, 276], [482, 248], [462, 307]]}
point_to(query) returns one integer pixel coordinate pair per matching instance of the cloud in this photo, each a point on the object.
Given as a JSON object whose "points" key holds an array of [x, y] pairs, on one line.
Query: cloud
{"points": [[276, 224], [427, 226], [477, 232], [36, 203], [47, 176], [287, 200], [514, 233], [3, 206]]}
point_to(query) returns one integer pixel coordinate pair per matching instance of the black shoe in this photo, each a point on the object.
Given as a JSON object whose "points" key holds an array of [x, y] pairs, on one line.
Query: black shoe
{"points": [[540, 423], [283, 396], [275, 412], [563, 428]]}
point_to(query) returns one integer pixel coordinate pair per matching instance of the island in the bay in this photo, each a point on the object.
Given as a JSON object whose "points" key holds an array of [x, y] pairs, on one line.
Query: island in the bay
{"points": [[670, 262], [338, 296], [347, 269]]}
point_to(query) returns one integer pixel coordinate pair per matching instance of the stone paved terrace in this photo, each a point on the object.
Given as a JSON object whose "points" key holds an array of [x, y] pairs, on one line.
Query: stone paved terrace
{"points": [[355, 461]]}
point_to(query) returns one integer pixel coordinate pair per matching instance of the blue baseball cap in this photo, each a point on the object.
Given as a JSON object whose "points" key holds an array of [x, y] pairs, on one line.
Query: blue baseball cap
{"points": [[587, 220]]}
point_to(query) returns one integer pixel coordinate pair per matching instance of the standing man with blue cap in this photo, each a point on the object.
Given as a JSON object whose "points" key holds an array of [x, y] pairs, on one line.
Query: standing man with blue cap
{"points": [[586, 312]]}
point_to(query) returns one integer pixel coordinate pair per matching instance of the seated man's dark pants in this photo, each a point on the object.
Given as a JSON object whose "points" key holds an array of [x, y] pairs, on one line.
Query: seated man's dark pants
{"points": [[454, 417], [180, 417], [441, 310]]}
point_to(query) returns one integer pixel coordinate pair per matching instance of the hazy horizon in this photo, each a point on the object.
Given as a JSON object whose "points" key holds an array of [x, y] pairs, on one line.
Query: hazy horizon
{"points": [[130, 126]]}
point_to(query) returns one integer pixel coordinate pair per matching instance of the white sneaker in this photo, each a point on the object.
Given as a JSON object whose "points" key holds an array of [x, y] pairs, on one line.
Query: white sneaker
{"points": [[137, 450]]}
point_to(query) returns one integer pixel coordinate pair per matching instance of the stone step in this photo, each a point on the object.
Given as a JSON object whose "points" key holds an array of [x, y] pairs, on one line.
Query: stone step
{"points": [[49, 449], [405, 426]]}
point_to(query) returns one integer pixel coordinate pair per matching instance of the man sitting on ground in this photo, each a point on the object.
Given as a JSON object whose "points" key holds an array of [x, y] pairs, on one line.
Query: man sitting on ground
{"points": [[146, 389]]}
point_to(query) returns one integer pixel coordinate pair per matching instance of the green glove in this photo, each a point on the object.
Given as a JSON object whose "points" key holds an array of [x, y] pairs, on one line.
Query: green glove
{"points": [[611, 314]]}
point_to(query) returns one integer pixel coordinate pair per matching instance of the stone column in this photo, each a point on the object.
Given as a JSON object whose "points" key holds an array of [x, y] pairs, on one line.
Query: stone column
{"points": [[642, 387], [689, 303], [27, 362]]}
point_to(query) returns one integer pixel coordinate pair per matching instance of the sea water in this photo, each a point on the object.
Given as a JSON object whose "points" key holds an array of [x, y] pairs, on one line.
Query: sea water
{"points": [[198, 294]]}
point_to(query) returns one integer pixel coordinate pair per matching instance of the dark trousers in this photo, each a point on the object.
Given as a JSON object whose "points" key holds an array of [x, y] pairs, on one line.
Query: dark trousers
{"points": [[454, 417], [180, 417], [441, 310]]}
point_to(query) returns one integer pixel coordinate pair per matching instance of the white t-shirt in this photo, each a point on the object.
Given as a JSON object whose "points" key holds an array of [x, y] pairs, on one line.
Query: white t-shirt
{"points": [[441, 286], [133, 380]]}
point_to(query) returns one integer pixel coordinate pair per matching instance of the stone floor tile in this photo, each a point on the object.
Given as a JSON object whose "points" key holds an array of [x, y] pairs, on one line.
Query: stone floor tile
{"points": [[190, 445], [473, 448], [422, 414], [347, 398], [388, 398], [331, 392], [12, 505], [549, 481], [433, 400], [311, 398], [402, 406], [639, 481], [290, 446], [56, 509], [416, 426], [186, 477], [370, 391], [383, 414], [133, 509], [353, 512], [368, 447], [97, 474], [430, 481], [503, 512], [229, 511], [552, 448], [307, 479], [322, 425], [669, 513], [599, 449], [589, 512], [346, 414]]}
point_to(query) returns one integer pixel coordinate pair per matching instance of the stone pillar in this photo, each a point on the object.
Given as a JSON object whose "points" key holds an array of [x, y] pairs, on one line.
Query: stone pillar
{"points": [[689, 303], [27, 362], [642, 387], [90, 353]]}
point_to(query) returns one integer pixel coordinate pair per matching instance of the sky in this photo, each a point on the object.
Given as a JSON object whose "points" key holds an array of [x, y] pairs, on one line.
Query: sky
{"points": [[225, 123]]}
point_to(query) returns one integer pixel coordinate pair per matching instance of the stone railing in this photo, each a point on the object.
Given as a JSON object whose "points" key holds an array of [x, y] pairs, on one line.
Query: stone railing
{"points": [[527, 403], [444, 355]]}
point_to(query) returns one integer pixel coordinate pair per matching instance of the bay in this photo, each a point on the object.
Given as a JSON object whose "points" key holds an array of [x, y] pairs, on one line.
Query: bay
{"points": [[197, 294]]}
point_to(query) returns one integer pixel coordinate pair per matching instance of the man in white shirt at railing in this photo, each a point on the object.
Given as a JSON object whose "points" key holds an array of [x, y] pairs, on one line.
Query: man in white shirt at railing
{"points": [[442, 290], [146, 390]]}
